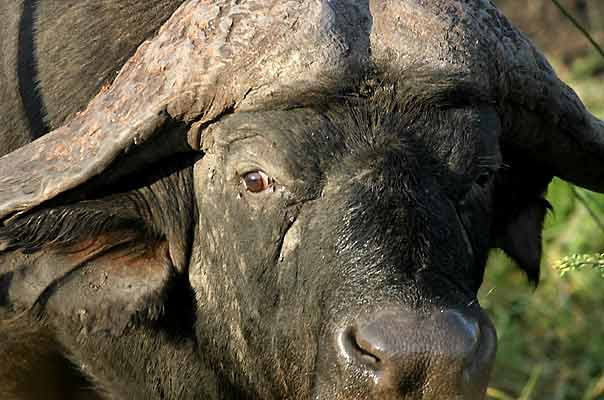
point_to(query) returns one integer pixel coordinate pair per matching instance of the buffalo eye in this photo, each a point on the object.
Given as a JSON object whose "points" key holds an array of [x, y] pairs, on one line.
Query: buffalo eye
{"points": [[256, 181], [484, 178]]}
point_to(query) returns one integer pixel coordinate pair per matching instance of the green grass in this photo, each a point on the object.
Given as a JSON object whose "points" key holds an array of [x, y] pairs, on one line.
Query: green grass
{"points": [[551, 341]]}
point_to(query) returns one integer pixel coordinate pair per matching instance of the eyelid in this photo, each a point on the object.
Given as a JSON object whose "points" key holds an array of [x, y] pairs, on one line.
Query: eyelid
{"points": [[484, 178], [483, 171]]}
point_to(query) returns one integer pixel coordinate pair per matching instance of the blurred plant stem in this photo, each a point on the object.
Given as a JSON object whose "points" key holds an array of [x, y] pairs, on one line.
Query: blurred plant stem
{"points": [[580, 27], [586, 200]]}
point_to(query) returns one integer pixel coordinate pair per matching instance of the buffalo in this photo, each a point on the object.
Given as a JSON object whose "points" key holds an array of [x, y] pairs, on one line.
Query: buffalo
{"points": [[270, 199]]}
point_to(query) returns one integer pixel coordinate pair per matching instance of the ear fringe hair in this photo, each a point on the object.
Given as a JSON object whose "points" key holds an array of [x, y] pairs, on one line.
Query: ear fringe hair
{"points": [[64, 227]]}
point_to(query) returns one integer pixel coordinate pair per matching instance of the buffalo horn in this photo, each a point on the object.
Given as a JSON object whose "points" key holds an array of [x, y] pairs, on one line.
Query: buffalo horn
{"points": [[209, 58], [212, 59], [542, 117]]}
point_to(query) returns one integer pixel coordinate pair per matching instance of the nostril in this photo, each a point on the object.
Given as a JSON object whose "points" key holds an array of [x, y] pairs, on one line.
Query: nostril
{"points": [[357, 349], [464, 333], [400, 351], [400, 337]]}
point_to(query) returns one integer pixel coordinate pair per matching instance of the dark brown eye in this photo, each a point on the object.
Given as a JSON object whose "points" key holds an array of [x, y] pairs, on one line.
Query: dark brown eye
{"points": [[485, 178], [256, 181]]}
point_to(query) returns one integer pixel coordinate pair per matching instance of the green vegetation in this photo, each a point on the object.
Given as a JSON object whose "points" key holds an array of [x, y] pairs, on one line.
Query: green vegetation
{"points": [[551, 340]]}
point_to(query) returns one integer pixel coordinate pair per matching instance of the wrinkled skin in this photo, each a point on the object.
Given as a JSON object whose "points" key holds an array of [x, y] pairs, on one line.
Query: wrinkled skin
{"points": [[351, 274]]}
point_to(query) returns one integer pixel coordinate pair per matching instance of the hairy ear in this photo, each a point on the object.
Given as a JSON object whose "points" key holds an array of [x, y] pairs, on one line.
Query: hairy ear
{"points": [[105, 263], [520, 210], [521, 237]]}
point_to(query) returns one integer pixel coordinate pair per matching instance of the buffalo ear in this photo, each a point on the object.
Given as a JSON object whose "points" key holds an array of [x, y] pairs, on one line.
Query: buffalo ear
{"points": [[104, 279], [110, 262], [520, 237], [120, 278]]}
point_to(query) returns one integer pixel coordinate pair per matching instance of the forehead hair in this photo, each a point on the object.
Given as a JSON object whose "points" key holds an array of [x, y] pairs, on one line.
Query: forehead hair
{"points": [[414, 88]]}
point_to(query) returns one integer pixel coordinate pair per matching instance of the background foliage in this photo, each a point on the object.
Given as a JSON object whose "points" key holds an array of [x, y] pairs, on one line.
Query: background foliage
{"points": [[551, 340]]}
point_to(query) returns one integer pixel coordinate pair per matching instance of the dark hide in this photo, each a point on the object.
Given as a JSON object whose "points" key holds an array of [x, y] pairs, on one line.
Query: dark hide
{"points": [[133, 248], [50, 66], [14, 130], [367, 184], [39, 368]]}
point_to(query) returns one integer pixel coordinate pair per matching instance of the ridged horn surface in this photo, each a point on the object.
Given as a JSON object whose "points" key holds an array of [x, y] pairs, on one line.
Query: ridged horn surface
{"points": [[220, 57], [208, 59]]}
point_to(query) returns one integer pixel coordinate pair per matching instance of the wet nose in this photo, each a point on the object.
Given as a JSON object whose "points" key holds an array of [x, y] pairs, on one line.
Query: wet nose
{"points": [[445, 353]]}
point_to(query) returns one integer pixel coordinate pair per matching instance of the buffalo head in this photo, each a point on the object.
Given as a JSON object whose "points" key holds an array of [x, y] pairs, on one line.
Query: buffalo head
{"points": [[294, 200]]}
